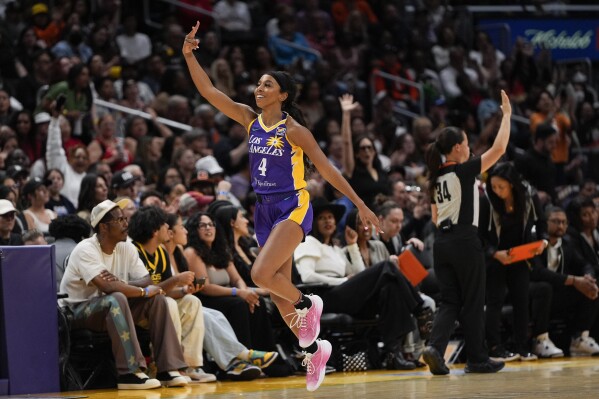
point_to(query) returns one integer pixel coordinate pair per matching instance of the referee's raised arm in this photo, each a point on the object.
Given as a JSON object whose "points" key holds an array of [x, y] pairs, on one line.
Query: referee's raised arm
{"points": [[492, 155]]}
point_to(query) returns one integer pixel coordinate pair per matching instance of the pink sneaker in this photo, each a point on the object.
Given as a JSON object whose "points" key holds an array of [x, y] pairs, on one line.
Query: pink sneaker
{"points": [[316, 364], [308, 321]]}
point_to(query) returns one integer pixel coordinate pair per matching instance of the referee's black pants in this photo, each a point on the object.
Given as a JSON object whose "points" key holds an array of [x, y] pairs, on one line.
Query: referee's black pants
{"points": [[460, 268]]}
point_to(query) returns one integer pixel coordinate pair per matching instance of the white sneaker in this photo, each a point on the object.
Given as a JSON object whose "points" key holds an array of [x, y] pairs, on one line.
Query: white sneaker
{"points": [[137, 380], [584, 346], [198, 375], [171, 379], [543, 347]]}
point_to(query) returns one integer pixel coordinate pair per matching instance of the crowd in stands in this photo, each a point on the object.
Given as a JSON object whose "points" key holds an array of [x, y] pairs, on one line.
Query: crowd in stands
{"points": [[62, 155]]}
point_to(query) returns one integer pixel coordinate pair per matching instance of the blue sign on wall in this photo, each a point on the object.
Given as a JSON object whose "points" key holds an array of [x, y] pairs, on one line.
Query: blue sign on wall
{"points": [[566, 38]]}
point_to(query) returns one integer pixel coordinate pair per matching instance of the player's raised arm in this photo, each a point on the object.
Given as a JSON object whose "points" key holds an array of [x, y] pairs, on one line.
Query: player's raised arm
{"points": [[240, 113]]}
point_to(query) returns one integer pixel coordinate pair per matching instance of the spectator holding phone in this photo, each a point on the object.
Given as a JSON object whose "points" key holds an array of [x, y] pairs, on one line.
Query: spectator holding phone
{"points": [[220, 341], [148, 229], [208, 255]]}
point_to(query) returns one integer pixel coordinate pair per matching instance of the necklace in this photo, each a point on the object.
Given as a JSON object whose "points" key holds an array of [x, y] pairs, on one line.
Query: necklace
{"points": [[509, 207]]}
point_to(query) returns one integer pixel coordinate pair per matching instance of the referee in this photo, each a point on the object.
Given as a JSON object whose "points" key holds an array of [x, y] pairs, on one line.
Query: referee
{"points": [[458, 254]]}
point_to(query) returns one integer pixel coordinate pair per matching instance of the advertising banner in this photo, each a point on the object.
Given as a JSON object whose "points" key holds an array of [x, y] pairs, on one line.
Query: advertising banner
{"points": [[566, 38]]}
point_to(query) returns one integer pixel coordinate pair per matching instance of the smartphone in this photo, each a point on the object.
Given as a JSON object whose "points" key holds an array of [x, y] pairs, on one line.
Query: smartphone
{"points": [[60, 100], [199, 281]]}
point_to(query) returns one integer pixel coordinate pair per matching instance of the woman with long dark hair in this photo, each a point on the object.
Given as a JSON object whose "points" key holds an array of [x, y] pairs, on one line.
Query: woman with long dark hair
{"points": [[361, 164], [94, 190], [507, 217], [220, 341], [278, 143], [235, 228], [459, 257], [22, 123], [208, 256]]}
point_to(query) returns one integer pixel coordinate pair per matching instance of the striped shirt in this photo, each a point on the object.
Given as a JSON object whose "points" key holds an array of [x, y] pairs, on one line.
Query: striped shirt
{"points": [[456, 193]]}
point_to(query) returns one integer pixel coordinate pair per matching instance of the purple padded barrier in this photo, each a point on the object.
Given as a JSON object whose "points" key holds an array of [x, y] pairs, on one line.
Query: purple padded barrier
{"points": [[3, 360], [30, 319]]}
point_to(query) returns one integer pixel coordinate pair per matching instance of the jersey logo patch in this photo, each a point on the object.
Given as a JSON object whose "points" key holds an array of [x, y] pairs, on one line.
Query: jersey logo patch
{"points": [[275, 142], [281, 130]]}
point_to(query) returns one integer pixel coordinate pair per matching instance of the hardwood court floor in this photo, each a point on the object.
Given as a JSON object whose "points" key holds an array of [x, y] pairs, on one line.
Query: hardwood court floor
{"points": [[576, 378]]}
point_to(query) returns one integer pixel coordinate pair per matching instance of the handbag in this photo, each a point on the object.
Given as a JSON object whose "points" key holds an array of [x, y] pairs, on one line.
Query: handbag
{"points": [[355, 362], [355, 356]]}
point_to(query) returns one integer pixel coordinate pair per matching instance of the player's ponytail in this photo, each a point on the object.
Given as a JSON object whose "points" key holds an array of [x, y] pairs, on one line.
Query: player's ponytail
{"points": [[289, 86], [436, 151]]}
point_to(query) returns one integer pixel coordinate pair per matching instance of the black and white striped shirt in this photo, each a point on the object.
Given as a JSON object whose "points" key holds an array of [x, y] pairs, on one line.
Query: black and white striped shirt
{"points": [[456, 192]]}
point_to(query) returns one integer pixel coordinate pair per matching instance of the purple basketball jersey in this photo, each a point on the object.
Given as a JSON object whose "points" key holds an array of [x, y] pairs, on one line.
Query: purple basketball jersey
{"points": [[276, 165]]}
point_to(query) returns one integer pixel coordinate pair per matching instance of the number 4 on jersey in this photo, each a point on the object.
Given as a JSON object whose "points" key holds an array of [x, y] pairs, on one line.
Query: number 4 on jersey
{"points": [[442, 192], [262, 167]]}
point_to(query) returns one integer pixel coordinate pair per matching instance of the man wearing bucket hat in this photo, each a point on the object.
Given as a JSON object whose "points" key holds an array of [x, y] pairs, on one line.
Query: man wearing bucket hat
{"points": [[109, 289]]}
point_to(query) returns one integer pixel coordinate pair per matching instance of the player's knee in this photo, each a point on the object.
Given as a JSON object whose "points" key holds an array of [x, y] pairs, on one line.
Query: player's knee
{"points": [[260, 279]]}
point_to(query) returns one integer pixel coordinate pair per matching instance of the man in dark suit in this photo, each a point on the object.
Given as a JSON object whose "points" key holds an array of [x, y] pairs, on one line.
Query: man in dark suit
{"points": [[572, 282]]}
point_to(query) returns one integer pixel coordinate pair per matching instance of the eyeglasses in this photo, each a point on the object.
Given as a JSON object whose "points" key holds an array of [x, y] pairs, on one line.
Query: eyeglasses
{"points": [[366, 148], [120, 220], [204, 226], [558, 221], [8, 216]]}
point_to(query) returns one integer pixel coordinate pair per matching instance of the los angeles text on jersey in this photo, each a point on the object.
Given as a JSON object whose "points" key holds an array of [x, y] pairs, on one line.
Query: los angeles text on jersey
{"points": [[256, 147]]}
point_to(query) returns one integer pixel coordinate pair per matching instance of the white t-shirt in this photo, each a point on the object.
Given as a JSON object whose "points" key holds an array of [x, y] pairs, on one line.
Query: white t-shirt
{"points": [[87, 261]]}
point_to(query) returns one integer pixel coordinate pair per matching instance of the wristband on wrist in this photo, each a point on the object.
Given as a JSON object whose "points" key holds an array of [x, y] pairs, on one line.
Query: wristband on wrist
{"points": [[234, 291], [147, 291]]}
